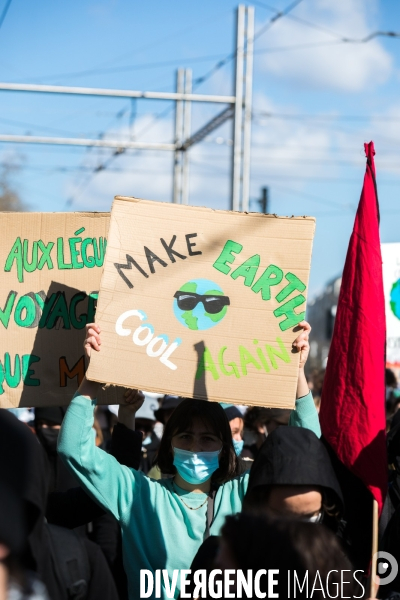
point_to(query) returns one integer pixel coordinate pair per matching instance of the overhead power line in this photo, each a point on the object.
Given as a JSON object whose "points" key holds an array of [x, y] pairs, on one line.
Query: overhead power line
{"points": [[317, 117], [299, 19], [5, 11], [122, 69], [278, 15], [231, 56]]}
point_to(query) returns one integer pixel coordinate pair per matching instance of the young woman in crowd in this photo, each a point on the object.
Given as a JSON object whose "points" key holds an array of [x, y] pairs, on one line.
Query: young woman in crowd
{"points": [[164, 522]]}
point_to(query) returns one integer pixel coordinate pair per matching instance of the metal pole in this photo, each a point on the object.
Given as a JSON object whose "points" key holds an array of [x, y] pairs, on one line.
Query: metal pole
{"points": [[187, 123], [37, 139], [176, 194], [62, 89], [264, 200], [237, 119], [247, 108], [204, 131]]}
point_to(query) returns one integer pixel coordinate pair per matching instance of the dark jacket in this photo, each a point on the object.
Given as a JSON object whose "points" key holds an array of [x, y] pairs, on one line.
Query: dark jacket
{"points": [[39, 555], [149, 452], [74, 508], [296, 456], [389, 523], [393, 454], [60, 478]]}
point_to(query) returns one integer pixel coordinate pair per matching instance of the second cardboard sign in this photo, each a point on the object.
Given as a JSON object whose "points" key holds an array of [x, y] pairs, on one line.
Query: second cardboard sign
{"points": [[203, 303]]}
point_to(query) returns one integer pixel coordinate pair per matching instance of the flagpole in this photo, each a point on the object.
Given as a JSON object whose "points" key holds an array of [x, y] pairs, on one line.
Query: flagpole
{"points": [[373, 586]]}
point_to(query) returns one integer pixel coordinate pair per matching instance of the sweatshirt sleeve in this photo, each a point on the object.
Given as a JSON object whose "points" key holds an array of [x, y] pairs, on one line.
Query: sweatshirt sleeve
{"points": [[112, 485], [305, 415]]}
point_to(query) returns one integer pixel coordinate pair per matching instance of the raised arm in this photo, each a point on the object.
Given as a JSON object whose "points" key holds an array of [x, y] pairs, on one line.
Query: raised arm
{"points": [[112, 485], [305, 414]]}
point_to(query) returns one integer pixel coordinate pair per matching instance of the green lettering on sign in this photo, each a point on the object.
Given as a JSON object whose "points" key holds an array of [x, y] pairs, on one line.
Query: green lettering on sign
{"points": [[246, 358], [226, 257], [233, 370], [15, 254], [287, 309], [282, 353], [272, 276], [247, 270], [206, 363], [294, 284]]}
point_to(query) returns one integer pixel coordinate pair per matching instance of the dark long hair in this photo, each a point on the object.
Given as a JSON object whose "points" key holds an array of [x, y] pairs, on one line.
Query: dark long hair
{"points": [[304, 548], [214, 418]]}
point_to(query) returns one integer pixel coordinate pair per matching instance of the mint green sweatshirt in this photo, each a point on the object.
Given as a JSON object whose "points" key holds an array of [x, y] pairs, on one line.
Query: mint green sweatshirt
{"points": [[158, 530]]}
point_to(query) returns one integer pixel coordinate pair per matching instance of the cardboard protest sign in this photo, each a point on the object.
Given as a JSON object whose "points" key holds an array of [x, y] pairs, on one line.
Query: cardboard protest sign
{"points": [[51, 264], [391, 284], [202, 303]]}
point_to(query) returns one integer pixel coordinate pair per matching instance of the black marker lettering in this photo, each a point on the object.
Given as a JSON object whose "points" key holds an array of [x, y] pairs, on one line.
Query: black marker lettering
{"points": [[190, 245], [152, 258], [169, 251], [129, 262]]}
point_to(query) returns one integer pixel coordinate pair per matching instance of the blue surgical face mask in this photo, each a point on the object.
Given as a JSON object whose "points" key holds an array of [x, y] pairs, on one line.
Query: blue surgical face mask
{"points": [[238, 445], [195, 467]]}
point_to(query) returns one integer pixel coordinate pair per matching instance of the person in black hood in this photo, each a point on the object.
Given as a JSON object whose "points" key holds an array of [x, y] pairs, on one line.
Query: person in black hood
{"points": [[47, 426], [50, 549], [74, 508], [292, 476], [15, 582], [145, 421]]}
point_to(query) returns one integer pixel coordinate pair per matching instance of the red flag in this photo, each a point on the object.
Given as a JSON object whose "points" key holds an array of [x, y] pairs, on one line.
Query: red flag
{"points": [[353, 397]]}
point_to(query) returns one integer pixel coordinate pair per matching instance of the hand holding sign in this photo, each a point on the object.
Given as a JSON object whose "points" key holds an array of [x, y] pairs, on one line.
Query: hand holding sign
{"points": [[92, 339], [132, 399], [301, 343]]}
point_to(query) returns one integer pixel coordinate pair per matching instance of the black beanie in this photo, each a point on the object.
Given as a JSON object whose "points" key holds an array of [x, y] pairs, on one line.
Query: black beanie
{"points": [[51, 414], [232, 412]]}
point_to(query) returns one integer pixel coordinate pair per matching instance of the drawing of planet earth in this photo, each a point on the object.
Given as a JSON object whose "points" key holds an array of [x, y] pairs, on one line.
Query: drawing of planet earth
{"points": [[395, 299], [198, 319]]}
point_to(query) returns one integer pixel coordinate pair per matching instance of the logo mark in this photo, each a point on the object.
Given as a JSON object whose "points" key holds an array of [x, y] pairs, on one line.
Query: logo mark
{"points": [[384, 561], [200, 304], [395, 299]]}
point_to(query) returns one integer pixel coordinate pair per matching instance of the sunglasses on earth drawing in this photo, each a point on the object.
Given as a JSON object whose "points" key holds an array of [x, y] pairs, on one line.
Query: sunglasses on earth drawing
{"points": [[212, 304]]}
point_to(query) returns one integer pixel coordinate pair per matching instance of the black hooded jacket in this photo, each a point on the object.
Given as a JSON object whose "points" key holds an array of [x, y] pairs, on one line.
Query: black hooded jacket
{"points": [[74, 508], [39, 555], [14, 470], [60, 478], [296, 456]]}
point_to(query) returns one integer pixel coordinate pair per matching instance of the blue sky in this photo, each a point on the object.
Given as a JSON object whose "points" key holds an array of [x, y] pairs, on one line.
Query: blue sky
{"points": [[316, 101]]}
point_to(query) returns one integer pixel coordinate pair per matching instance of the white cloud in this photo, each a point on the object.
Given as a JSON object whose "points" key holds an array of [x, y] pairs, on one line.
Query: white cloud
{"points": [[344, 67]]}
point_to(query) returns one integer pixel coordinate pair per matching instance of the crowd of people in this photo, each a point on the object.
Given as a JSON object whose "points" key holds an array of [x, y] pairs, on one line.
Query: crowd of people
{"points": [[90, 497]]}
